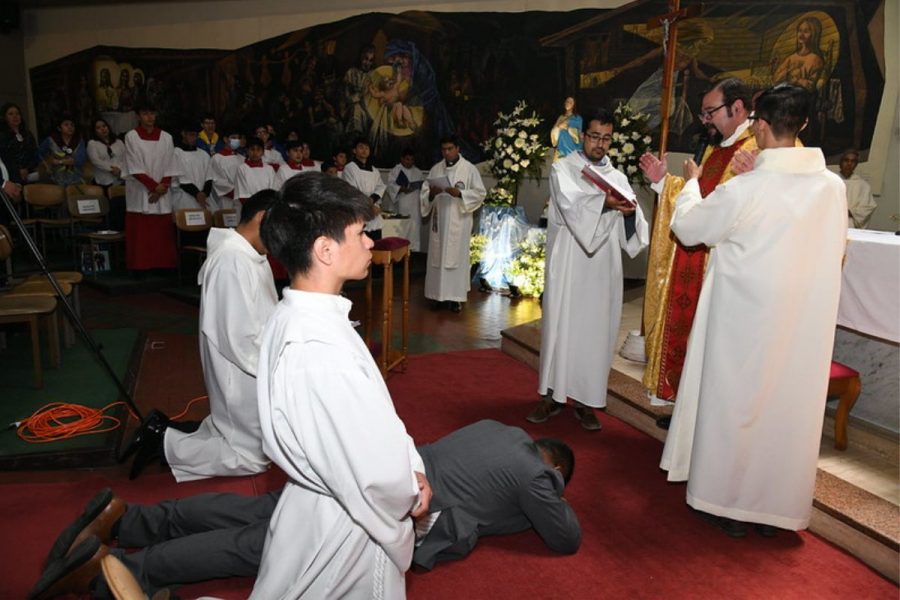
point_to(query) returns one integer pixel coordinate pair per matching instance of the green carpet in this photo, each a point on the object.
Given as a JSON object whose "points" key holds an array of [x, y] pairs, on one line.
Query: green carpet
{"points": [[81, 379]]}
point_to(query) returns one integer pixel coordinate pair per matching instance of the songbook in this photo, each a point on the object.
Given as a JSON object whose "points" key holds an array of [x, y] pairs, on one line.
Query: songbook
{"points": [[609, 186], [404, 182]]}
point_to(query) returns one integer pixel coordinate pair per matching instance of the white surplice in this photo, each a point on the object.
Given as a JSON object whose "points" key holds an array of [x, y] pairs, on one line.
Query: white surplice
{"points": [[340, 529], [860, 203], [408, 203], [285, 172], [582, 304], [447, 276], [250, 180], [237, 297], [155, 159], [223, 168], [367, 182], [746, 428], [193, 166]]}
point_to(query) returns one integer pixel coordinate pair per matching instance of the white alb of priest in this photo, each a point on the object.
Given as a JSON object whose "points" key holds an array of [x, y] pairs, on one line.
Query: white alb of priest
{"points": [[447, 275]]}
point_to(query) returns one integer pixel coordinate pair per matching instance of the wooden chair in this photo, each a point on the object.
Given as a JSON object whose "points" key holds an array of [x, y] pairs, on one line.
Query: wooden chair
{"points": [[115, 191], [73, 278], [191, 220], [226, 217], [44, 205], [42, 288], [843, 383], [386, 252], [91, 210], [31, 310]]}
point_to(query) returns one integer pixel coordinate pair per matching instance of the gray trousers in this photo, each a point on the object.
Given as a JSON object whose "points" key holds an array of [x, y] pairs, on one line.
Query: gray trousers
{"points": [[195, 539]]}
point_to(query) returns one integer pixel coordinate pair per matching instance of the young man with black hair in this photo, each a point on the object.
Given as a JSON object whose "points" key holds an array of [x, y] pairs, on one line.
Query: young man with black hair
{"points": [[254, 175], [237, 295], [208, 140], [747, 426], [293, 166], [403, 186], [367, 179], [327, 417], [223, 168], [192, 187], [449, 210], [150, 164]]}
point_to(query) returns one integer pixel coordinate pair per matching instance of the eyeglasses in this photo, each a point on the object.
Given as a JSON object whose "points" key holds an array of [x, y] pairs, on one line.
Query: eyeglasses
{"points": [[707, 114], [596, 137]]}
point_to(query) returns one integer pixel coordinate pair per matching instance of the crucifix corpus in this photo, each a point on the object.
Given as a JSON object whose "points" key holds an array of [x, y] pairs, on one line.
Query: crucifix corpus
{"points": [[669, 23]]}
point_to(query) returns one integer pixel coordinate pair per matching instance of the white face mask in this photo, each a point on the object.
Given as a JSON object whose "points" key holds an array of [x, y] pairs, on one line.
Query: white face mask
{"points": [[234, 143]]}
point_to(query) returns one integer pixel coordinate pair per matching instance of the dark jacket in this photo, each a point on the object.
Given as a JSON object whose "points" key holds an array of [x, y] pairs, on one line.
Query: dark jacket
{"points": [[489, 478]]}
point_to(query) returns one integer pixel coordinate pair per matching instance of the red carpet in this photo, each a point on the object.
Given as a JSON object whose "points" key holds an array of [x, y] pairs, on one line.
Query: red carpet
{"points": [[640, 540]]}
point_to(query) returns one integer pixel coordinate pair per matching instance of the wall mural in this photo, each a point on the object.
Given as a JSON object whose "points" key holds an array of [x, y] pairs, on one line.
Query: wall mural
{"points": [[405, 80]]}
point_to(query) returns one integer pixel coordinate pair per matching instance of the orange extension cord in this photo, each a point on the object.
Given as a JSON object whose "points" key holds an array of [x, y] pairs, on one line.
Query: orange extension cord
{"points": [[61, 421]]}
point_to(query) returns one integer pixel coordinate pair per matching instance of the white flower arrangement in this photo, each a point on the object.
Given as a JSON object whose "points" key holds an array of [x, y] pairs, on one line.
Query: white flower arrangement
{"points": [[526, 271], [477, 244], [630, 141], [515, 151]]}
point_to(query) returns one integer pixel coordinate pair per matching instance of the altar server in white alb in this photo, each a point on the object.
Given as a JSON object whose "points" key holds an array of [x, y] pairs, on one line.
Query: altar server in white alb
{"points": [[860, 203], [192, 187], [237, 295], [293, 165], [342, 527], [403, 191], [223, 168], [586, 232], [150, 166], [447, 278], [746, 428], [360, 173], [255, 175]]}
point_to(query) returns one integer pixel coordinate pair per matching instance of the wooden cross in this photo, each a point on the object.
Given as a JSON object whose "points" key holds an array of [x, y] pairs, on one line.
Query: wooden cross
{"points": [[669, 22]]}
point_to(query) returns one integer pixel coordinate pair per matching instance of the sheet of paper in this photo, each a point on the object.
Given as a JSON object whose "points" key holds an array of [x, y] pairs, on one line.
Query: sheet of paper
{"points": [[439, 182]]}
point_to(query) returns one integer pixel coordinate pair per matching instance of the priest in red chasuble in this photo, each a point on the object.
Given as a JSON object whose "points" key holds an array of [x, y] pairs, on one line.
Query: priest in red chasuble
{"points": [[675, 271]]}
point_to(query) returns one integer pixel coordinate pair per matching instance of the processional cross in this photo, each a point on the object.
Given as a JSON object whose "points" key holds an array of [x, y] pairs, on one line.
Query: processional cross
{"points": [[669, 22]]}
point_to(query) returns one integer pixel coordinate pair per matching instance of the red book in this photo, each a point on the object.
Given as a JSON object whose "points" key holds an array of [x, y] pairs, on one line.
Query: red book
{"points": [[608, 186]]}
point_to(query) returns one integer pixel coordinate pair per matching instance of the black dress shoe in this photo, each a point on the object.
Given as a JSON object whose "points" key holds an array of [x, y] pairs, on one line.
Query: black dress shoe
{"points": [[735, 529], [95, 507], [455, 306], [768, 531], [151, 428], [73, 574], [664, 422]]}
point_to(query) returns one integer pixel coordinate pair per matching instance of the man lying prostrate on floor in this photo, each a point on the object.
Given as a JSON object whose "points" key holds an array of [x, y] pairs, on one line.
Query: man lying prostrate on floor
{"points": [[487, 479], [237, 295]]}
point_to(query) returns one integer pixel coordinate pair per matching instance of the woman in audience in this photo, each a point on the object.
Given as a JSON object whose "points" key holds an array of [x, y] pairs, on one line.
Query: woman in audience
{"points": [[18, 148], [107, 153], [64, 152]]}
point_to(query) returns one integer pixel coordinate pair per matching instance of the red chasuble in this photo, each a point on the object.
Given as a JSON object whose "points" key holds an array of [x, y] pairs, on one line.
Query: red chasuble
{"points": [[688, 266]]}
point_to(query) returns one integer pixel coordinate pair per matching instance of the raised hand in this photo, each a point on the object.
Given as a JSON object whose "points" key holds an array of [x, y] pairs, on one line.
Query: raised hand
{"points": [[691, 170], [743, 161], [654, 169]]}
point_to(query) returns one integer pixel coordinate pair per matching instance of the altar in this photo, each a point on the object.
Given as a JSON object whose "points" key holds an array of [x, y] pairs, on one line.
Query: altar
{"points": [[868, 333]]}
